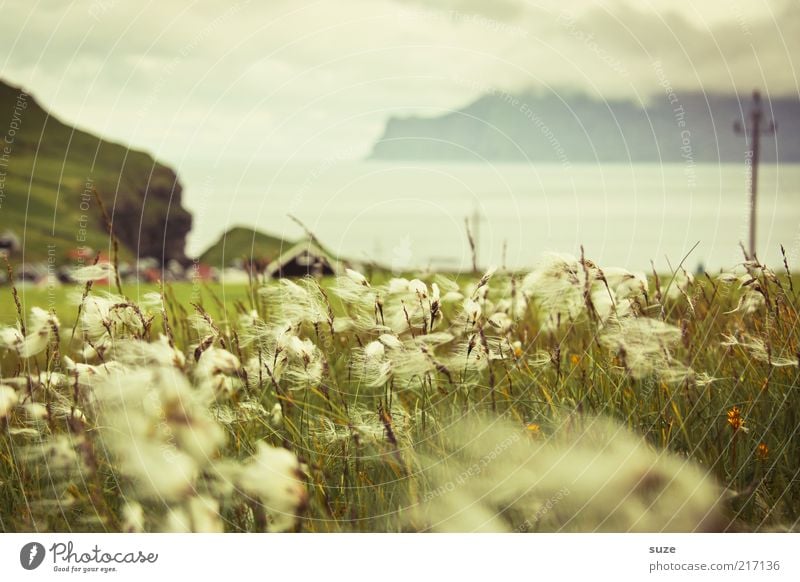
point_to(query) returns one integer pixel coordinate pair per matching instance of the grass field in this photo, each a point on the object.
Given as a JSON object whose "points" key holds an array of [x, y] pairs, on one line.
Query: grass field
{"points": [[571, 398], [59, 298]]}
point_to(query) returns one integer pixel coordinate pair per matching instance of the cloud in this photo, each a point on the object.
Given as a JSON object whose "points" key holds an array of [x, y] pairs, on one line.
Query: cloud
{"points": [[498, 9], [729, 55], [284, 78]]}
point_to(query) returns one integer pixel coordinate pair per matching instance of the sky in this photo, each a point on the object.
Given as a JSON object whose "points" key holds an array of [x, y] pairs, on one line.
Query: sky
{"points": [[195, 82]]}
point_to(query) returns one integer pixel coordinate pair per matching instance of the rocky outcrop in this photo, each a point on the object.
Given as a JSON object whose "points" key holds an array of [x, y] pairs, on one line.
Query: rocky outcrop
{"points": [[147, 215], [49, 170]]}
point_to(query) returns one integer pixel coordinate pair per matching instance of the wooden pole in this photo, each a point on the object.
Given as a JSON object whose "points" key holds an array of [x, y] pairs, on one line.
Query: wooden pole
{"points": [[752, 133]]}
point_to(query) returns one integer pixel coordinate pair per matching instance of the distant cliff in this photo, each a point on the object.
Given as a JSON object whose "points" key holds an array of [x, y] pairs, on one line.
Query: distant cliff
{"points": [[549, 127], [48, 170]]}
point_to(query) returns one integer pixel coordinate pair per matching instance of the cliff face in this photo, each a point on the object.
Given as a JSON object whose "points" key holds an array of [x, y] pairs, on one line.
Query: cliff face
{"points": [[48, 170], [532, 127], [147, 214]]}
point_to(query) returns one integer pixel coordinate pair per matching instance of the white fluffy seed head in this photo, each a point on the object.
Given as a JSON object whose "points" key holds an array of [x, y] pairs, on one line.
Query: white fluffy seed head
{"points": [[391, 341], [96, 272], [8, 399], [357, 277], [680, 283], [214, 361], [501, 321], [418, 287], [276, 416], [273, 476], [300, 349], [472, 309], [200, 514], [374, 350], [35, 411], [435, 293], [398, 285], [11, 338], [132, 517]]}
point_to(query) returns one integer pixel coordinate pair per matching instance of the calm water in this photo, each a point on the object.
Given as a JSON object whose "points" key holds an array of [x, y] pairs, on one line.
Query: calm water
{"points": [[412, 215]]}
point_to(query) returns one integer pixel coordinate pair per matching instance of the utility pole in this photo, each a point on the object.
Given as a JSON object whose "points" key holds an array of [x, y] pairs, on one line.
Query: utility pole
{"points": [[752, 132]]}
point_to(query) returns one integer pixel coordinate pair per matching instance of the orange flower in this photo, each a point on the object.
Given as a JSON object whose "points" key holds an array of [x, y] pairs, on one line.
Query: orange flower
{"points": [[575, 359], [762, 451], [533, 428], [735, 419]]}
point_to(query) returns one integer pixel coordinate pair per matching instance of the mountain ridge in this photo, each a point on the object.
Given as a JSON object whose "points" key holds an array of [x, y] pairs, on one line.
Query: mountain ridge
{"points": [[549, 127]]}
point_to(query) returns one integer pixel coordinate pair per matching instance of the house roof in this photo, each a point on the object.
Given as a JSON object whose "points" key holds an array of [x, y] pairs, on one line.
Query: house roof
{"points": [[303, 250]]}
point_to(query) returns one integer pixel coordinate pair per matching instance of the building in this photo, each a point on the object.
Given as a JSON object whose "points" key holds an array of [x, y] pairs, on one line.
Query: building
{"points": [[305, 258], [9, 243]]}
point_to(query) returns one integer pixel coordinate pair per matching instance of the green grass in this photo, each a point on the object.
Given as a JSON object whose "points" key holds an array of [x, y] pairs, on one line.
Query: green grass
{"points": [[61, 298], [356, 483]]}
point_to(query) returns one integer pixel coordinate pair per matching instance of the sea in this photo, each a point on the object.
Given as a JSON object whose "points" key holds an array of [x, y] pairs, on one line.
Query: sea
{"points": [[413, 215]]}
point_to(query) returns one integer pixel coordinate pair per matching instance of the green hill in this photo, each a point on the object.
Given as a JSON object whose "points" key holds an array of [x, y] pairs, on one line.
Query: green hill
{"points": [[47, 172], [242, 242]]}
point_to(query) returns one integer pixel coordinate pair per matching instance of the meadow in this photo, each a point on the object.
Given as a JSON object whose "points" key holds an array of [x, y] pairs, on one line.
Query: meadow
{"points": [[569, 398]]}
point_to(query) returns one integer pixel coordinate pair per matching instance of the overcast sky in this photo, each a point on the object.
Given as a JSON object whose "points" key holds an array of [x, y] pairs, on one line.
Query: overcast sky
{"points": [[297, 79]]}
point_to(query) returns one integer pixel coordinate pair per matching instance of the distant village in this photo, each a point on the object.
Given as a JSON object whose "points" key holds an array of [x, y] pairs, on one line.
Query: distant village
{"points": [[306, 257]]}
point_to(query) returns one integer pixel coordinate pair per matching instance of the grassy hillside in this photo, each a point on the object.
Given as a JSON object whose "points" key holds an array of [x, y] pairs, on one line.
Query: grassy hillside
{"points": [[47, 172], [243, 242]]}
